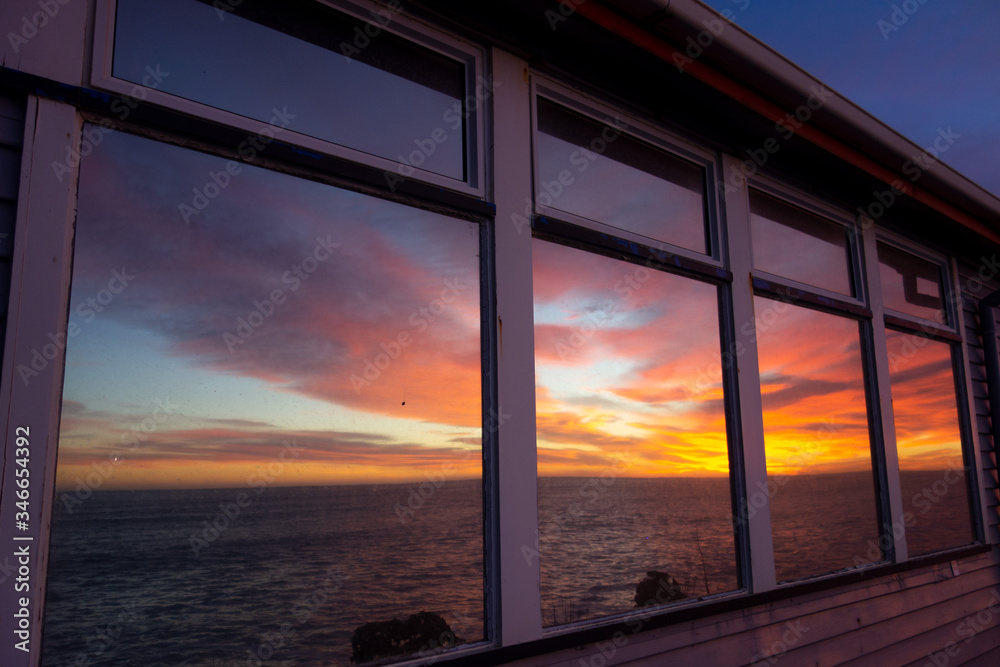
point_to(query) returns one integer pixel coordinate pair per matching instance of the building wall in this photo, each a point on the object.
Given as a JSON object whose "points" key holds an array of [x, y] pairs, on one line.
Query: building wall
{"points": [[945, 612], [969, 276]]}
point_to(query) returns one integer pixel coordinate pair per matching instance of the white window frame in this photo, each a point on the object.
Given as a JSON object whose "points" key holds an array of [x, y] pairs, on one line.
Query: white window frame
{"points": [[952, 296], [403, 25], [834, 214], [645, 132], [948, 293]]}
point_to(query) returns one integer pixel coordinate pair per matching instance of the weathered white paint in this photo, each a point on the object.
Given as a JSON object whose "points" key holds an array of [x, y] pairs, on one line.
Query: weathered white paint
{"points": [[40, 285], [520, 600], [881, 371], [737, 211], [45, 37]]}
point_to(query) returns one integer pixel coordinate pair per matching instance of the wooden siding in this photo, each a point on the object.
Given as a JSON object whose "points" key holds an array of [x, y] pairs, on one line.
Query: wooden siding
{"points": [[925, 616], [972, 290], [11, 140]]}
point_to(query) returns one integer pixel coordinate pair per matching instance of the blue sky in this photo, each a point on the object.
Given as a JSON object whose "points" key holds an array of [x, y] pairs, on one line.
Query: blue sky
{"points": [[939, 67]]}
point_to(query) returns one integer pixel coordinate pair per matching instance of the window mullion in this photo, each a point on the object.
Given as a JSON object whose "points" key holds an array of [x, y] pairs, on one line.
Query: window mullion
{"points": [[520, 604], [754, 514], [880, 356]]}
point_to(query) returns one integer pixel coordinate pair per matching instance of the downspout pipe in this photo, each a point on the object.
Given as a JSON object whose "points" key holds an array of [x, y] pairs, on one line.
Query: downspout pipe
{"points": [[988, 321]]}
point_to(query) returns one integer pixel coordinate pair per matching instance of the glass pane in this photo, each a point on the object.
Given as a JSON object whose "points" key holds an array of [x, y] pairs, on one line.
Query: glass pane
{"points": [[795, 244], [271, 421], [929, 444], [633, 493], [824, 514], [911, 285], [594, 171], [318, 86]]}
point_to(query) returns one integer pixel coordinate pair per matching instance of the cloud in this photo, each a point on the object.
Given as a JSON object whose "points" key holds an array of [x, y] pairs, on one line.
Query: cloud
{"points": [[219, 448], [314, 290]]}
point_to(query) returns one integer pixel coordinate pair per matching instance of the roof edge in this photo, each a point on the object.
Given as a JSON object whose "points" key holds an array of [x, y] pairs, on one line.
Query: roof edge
{"points": [[679, 20]]}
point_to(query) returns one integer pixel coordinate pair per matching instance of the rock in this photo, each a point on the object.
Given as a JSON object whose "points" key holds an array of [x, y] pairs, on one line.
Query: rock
{"points": [[657, 588], [425, 631]]}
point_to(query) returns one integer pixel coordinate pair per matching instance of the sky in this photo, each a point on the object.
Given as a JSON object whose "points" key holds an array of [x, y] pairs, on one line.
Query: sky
{"points": [[936, 67], [294, 333], [288, 329]]}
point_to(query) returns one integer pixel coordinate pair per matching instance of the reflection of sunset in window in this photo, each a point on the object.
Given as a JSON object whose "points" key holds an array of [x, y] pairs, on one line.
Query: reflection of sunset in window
{"points": [[627, 361], [923, 402], [599, 172], [812, 389], [928, 442], [816, 440], [368, 357], [633, 457], [291, 381]]}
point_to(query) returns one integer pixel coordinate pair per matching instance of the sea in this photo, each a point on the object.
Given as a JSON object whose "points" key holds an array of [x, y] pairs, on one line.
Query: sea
{"points": [[284, 575]]}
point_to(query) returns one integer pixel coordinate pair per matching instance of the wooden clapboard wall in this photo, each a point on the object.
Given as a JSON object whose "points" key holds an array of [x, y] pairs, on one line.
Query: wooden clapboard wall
{"points": [[11, 140], [974, 289], [928, 616]]}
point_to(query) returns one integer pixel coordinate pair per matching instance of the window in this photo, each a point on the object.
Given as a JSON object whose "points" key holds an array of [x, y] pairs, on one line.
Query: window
{"points": [[597, 171], [922, 356], [816, 433], [271, 420], [910, 285], [309, 419], [333, 63], [633, 459], [634, 462], [814, 394], [798, 245]]}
